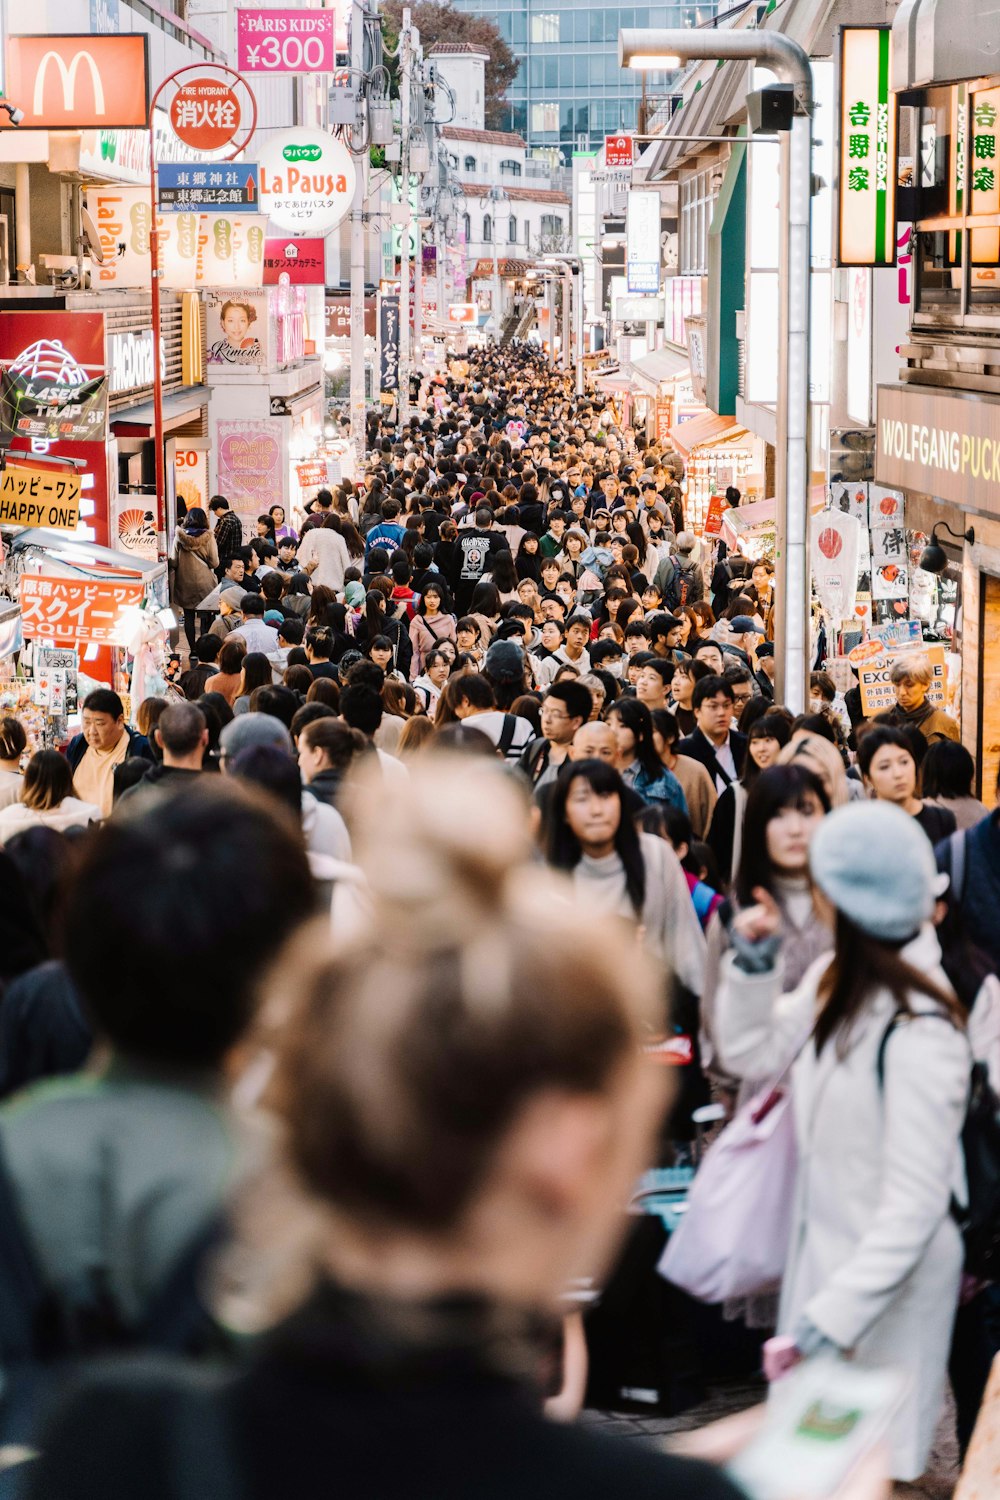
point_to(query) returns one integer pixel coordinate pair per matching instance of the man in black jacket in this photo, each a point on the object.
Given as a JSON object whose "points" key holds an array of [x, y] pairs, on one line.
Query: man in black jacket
{"points": [[720, 748]]}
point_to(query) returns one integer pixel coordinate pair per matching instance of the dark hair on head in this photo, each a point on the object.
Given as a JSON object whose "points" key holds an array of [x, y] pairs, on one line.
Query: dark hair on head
{"points": [[185, 965], [485, 600], [823, 683], [775, 790], [862, 966], [562, 848], [324, 690], [231, 657], [876, 739], [771, 726], [180, 728], [307, 714], [476, 688], [665, 724], [577, 699], [671, 823], [339, 742], [13, 739], [256, 672], [292, 631], [464, 739], [528, 706], [104, 701], [710, 687], [366, 672], [218, 712], [320, 643], [206, 650], [298, 678], [948, 771], [636, 717], [273, 770], [817, 724], [361, 707], [280, 702], [46, 863], [48, 780]]}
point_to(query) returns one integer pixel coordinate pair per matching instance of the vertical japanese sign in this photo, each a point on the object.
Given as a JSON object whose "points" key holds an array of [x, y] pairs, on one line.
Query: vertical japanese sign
{"points": [[642, 241], [388, 343], [867, 149], [984, 195]]}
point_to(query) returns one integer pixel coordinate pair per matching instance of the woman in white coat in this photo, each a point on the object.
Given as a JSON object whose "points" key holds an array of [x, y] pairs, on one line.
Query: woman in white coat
{"points": [[880, 1081]]}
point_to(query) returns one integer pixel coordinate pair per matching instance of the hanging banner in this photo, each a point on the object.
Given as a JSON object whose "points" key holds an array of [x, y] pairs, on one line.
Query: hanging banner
{"points": [[642, 241], [867, 185], [53, 383], [306, 181], [230, 250], [237, 324], [40, 497], [75, 609], [250, 467], [288, 41], [209, 249], [833, 552], [388, 344]]}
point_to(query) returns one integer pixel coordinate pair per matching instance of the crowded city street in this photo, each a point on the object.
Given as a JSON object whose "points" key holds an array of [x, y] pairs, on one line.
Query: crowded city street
{"points": [[500, 962]]}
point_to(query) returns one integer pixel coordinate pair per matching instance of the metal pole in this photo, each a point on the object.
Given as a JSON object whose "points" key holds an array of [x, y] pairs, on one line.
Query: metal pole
{"points": [[496, 272], [440, 240], [790, 63], [406, 59], [358, 241], [418, 292], [578, 295], [567, 284], [159, 459]]}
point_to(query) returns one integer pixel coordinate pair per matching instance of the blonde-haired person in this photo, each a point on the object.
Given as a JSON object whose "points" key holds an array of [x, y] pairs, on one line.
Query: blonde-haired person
{"points": [[822, 757], [469, 1151], [46, 799], [911, 676]]}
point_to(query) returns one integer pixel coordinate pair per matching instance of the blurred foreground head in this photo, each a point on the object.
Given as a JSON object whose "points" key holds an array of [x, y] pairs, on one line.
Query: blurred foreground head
{"points": [[175, 913], [463, 1085]]}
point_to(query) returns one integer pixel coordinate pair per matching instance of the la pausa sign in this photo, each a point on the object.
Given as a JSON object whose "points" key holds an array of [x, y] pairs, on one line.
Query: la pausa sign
{"points": [[306, 181]]}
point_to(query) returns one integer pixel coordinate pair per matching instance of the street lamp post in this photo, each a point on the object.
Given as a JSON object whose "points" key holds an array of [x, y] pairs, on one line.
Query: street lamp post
{"points": [[571, 267], [662, 51]]}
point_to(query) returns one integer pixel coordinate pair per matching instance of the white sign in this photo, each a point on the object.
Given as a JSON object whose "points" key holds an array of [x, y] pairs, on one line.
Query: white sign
{"points": [[130, 361], [642, 241], [834, 560], [306, 181], [638, 310]]}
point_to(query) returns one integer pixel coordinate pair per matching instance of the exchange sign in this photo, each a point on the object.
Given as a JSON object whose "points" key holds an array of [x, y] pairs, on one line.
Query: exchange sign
{"points": [[867, 149], [205, 114], [306, 181]]}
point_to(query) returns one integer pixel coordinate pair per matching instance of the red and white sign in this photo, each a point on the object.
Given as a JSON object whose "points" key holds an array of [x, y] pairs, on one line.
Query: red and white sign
{"points": [[76, 609], [78, 82], [313, 474], [617, 150], [833, 556], [205, 114], [463, 312], [713, 521], [302, 262], [287, 41]]}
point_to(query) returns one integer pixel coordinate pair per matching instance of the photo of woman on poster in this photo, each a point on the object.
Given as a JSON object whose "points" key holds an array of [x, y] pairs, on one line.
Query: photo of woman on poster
{"points": [[238, 345]]}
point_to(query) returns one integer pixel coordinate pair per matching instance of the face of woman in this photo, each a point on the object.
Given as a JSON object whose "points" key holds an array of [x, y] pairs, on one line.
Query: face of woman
{"points": [[381, 656], [432, 601], [277, 515], [765, 752], [594, 817], [892, 774], [438, 672], [448, 650], [235, 325], [466, 640], [624, 739], [681, 688], [551, 638], [530, 544], [790, 832]]}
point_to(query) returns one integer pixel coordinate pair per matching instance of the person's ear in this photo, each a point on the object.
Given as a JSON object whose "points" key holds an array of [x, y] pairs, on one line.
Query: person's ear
{"points": [[554, 1150]]}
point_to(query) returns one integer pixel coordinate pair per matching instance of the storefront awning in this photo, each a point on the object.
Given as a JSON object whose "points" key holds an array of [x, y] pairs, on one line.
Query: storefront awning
{"points": [[701, 430], [615, 384], [652, 370], [138, 421], [941, 41]]}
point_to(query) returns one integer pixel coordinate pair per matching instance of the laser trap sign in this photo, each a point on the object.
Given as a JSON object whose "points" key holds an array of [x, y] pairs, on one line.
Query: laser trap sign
{"points": [[39, 497], [877, 692], [306, 181]]}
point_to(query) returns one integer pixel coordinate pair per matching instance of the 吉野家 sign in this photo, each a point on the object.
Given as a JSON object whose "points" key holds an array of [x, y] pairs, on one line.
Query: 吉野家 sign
{"points": [[867, 148], [285, 41], [39, 497], [75, 609], [217, 185], [642, 241], [79, 82], [306, 181]]}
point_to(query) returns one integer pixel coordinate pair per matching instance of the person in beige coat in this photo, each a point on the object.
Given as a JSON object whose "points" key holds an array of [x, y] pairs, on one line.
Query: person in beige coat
{"points": [[880, 1072], [193, 560]]}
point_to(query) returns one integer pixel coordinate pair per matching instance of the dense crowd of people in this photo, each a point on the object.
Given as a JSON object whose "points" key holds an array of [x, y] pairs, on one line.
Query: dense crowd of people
{"points": [[349, 969]]}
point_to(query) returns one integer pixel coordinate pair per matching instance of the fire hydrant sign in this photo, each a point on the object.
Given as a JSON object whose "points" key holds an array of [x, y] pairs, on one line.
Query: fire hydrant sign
{"points": [[306, 181], [285, 41], [39, 497], [75, 609], [205, 114]]}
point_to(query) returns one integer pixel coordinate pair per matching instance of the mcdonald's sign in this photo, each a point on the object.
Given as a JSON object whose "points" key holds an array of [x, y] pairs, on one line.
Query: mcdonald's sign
{"points": [[79, 82]]}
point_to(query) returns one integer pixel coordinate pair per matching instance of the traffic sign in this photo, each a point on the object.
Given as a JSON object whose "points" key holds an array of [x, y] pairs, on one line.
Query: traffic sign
{"points": [[229, 185]]}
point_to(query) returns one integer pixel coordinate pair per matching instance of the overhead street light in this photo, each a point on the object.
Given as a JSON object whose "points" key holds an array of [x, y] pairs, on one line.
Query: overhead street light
{"points": [[571, 266], [654, 48]]}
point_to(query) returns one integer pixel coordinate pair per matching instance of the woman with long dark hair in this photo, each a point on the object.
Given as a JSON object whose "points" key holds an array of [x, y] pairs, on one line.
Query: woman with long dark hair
{"points": [[588, 833], [375, 621], [637, 760], [528, 563], [875, 1039], [766, 738]]}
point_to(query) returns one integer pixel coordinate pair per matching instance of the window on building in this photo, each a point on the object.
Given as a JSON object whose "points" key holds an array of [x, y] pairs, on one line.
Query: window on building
{"points": [[470, 163], [698, 195], [512, 230], [544, 118], [467, 226], [545, 26], [510, 169], [487, 229]]}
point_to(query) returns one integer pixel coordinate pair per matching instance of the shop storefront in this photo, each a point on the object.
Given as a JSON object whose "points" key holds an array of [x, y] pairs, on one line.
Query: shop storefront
{"points": [[717, 453]]}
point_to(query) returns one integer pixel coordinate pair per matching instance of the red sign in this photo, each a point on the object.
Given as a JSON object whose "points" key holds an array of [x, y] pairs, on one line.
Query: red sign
{"points": [[96, 478], [312, 475], [76, 609], [303, 262], [205, 114], [78, 82], [72, 340], [463, 312], [617, 150], [713, 521]]}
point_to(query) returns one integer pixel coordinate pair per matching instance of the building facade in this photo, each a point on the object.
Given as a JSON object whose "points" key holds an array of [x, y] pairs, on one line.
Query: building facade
{"points": [[569, 91]]}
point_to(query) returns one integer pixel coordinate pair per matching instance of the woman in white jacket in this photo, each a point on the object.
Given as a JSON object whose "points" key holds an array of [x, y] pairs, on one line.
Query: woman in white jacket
{"points": [[880, 1082], [46, 799]]}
